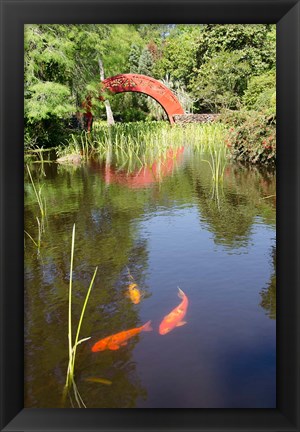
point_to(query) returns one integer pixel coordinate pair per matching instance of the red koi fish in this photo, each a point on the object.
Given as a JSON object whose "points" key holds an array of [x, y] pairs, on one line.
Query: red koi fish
{"points": [[117, 340], [175, 318]]}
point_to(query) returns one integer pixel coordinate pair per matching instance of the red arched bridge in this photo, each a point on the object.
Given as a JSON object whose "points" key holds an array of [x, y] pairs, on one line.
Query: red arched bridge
{"points": [[141, 84]]}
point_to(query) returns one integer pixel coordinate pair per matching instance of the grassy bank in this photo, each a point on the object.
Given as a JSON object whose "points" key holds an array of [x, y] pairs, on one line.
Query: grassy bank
{"points": [[247, 136], [143, 141]]}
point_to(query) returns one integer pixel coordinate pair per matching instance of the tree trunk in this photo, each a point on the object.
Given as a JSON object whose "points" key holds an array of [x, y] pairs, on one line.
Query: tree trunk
{"points": [[109, 114]]}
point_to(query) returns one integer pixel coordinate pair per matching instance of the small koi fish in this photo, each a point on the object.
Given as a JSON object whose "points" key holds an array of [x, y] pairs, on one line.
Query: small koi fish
{"points": [[117, 340], [175, 317], [133, 292]]}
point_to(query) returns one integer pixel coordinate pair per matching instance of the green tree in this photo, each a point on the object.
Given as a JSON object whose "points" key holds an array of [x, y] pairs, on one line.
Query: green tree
{"points": [[134, 58], [117, 59], [61, 61], [178, 58], [145, 62], [255, 42], [227, 55], [221, 82], [117, 47], [154, 32]]}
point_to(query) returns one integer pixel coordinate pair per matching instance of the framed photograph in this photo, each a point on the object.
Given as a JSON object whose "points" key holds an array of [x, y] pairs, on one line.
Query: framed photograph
{"points": [[150, 215]]}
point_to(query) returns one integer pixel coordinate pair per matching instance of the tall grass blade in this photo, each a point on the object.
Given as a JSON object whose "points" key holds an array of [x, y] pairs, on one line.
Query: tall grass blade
{"points": [[70, 304], [70, 381], [37, 194], [80, 320], [31, 238]]}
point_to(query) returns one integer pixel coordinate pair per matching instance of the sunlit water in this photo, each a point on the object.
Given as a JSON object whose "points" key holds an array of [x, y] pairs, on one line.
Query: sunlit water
{"points": [[171, 226]]}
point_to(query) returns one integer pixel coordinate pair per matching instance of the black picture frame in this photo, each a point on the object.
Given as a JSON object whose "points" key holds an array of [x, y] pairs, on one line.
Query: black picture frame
{"points": [[14, 14]]}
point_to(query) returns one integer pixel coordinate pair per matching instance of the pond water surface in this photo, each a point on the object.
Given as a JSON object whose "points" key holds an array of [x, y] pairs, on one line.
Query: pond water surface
{"points": [[168, 226]]}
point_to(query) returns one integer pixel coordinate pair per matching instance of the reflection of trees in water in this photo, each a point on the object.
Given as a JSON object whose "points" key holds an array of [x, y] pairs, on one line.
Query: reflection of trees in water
{"points": [[268, 294], [229, 209], [227, 219], [108, 237], [113, 312], [116, 366], [105, 237]]}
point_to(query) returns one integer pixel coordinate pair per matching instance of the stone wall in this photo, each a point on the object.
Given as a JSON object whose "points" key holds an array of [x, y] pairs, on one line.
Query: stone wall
{"points": [[194, 118]]}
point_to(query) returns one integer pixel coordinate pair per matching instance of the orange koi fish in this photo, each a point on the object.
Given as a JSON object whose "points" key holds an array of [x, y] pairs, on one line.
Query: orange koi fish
{"points": [[175, 318], [133, 293], [117, 340]]}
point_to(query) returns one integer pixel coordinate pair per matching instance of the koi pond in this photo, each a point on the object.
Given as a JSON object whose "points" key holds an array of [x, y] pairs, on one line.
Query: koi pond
{"points": [[173, 246]]}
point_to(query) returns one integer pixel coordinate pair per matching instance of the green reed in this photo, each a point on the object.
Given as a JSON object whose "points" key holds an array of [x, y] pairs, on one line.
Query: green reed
{"points": [[73, 344], [217, 163], [38, 194], [146, 141], [33, 241], [42, 207], [40, 156]]}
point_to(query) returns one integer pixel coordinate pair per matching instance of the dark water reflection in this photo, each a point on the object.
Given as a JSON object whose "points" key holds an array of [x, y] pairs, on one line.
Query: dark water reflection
{"points": [[172, 227]]}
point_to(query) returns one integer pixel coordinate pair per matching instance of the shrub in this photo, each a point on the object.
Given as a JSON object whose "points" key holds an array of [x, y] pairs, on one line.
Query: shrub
{"points": [[261, 93], [45, 133], [251, 136]]}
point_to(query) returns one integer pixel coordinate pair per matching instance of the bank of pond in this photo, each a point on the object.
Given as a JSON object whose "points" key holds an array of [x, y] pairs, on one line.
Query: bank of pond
{"points": [[247, 137]]}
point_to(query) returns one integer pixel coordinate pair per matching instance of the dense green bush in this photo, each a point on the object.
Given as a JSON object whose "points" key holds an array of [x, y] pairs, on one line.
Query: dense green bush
{"points": [[261, 93], [46, 132], [251, 136]]}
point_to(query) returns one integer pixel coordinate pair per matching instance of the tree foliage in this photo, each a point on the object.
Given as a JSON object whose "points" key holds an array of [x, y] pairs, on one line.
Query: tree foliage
{"points": [[261, 92], [145, 65], [178, 58], [221, 82], [255, 43], [209, 66], [57, 73], [227, 56]]}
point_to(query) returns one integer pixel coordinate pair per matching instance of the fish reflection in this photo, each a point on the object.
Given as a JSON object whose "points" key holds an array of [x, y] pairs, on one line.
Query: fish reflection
{"points": [[117, 340], [175, 318]]}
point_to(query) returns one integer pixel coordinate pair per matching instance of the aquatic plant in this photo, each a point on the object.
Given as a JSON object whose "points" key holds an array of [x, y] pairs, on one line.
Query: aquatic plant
{"points": [[70, 381], [217, 164], [142, 143], [42, 206], [38, 194], [33, 241], [40, 156]]}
